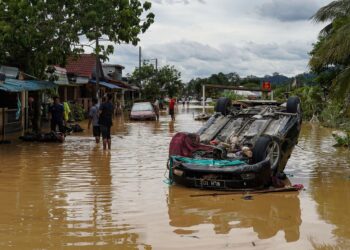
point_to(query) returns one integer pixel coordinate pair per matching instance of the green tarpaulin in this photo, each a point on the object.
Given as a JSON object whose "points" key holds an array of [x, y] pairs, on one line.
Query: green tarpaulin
{"points": [[208, 162]]}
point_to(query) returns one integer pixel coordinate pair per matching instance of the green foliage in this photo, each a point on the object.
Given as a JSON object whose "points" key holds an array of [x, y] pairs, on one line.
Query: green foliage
{"points": [[194, 87], [279, 93], [156, 83], [332, 50], [34, 34], [77, 112], [333, 115], [342, 138], [311, 99], [253, 85]]}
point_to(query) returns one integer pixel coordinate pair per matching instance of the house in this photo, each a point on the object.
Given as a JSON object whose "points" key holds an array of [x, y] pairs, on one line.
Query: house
{"points": [[81, 71], [114, 74], [67, 91], [14, 95], [113, 71]]}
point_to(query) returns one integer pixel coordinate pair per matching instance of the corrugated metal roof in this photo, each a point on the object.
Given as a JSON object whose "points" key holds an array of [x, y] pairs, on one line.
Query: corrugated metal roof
{"points": [[10, 72], [14, 85], [61, 73], [106, 84]]}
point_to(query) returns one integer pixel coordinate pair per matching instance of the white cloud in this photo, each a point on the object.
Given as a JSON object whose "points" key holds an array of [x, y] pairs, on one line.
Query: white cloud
{"points": [[249, 37], [285, 11]]}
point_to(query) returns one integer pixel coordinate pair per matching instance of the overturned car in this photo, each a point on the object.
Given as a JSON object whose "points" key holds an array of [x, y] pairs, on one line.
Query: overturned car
{"points": [[242, 146]]}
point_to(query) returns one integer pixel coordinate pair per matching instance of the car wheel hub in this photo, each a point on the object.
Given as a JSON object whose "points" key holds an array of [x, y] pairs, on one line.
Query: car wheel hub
{"points": [[273, 153]]}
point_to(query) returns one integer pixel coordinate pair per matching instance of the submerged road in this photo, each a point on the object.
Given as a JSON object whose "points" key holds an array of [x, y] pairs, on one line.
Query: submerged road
{"points": [[76, 196]]}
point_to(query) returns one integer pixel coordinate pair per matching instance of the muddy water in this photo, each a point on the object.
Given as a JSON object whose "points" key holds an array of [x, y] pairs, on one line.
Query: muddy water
{"points": [[74, 195]]}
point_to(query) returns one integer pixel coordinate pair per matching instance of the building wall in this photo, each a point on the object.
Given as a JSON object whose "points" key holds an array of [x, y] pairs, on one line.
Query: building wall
{"points": [[115, 72]]}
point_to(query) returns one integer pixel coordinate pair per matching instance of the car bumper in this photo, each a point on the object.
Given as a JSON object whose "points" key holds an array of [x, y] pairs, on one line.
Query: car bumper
{"points": [[229, 178], [142, 118]]}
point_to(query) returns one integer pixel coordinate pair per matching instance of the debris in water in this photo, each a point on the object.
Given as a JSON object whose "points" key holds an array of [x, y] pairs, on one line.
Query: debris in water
{"points": [[247, 197]]}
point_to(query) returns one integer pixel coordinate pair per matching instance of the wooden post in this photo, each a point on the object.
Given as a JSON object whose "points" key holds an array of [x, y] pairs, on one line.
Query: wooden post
{"points": [[37, 111], [2, 122], [123, 98], [203, 88], [24, 110]]}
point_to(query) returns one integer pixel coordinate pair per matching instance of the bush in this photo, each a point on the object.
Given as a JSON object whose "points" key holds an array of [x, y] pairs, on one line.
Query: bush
{"points": [[231, 95], [342, 138], [77, 112], [311, 100], [334, 115]]}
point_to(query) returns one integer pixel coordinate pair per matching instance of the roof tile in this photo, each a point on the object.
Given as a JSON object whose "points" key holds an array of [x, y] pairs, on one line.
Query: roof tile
{"points": [[84, 65]]}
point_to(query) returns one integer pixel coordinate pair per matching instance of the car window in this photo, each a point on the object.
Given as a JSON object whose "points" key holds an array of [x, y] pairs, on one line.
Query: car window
{"points": [[146, 106]]}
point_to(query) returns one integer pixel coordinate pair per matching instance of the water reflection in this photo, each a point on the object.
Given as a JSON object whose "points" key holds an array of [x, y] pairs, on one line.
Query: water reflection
{"points": [[171, 127], [267, 214], [330, 186]]}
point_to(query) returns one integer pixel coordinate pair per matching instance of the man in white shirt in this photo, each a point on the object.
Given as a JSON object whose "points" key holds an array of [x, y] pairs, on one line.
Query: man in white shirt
{"points": [[93, 119]]}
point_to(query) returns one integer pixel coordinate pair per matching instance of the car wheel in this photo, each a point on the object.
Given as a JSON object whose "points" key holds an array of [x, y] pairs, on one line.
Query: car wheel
{"points": [[293, 105], [223, 106], [267, 147]]}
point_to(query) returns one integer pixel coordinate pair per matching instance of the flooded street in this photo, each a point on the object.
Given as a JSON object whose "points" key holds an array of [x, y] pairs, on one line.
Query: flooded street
{"points": [[75, 195]]}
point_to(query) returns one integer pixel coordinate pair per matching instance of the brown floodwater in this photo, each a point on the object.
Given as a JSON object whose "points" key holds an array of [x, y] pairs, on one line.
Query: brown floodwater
{"points": [[75, 195]]}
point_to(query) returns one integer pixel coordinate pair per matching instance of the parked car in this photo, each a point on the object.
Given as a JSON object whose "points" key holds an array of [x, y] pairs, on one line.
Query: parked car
{"points": [[209, 100], [142, 111], [243, 145]]}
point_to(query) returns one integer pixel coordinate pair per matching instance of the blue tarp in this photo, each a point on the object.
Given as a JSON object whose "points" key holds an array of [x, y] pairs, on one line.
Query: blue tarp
{"points": [[14, 85], [106, 84]]}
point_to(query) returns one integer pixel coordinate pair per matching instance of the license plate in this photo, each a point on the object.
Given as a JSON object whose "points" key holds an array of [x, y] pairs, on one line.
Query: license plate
{"points": [[211, 183]]}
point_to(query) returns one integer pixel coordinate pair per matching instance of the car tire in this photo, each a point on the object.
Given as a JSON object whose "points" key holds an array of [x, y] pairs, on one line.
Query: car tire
{"points": [[223, 106], [293, 105], [267, 146]]}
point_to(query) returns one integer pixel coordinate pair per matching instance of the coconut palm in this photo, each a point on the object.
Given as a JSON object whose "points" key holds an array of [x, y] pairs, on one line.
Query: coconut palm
{"points": [[333, 46]]}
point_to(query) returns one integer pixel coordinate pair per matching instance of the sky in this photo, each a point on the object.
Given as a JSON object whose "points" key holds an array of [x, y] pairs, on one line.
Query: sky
{"points": [[250, 37]]}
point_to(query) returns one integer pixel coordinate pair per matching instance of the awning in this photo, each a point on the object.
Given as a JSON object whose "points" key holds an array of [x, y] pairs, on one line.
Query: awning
{"points": [[106, 84], [14, 85], [121, 84]]}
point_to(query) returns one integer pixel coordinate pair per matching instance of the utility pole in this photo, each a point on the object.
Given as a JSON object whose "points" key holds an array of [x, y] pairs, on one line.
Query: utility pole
{"points": [[140, 66], [97, 71]]}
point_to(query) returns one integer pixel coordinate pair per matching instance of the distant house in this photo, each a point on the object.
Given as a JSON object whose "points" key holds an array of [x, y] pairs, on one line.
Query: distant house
{"points": [[113, 71], [114, 74], [81, 72]]}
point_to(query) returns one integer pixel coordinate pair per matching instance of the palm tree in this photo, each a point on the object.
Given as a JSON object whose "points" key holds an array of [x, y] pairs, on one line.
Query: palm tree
{"points": [[333, 47]]}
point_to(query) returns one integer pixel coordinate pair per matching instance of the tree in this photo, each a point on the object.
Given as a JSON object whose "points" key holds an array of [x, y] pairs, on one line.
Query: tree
{"points": [[233, 78], [155, 83], [194, 86], [34, 34], [332, 50]]}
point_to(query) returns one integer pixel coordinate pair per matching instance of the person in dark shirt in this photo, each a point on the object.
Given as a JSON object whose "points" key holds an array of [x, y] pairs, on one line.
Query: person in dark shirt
{"points": [[56, 111], [105, 121]]}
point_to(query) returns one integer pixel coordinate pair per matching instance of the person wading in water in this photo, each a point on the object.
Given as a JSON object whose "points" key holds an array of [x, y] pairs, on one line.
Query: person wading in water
{"points": [[172, 108], [105, 121], [56, 111], [93, 119]]}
